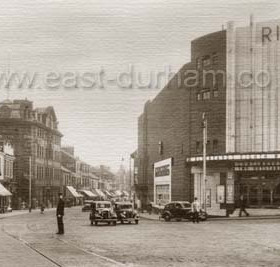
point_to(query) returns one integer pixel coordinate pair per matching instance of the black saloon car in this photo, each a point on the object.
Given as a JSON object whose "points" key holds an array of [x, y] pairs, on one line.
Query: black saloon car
{"points": [[179, 210], [126, 213], [102, 211]]}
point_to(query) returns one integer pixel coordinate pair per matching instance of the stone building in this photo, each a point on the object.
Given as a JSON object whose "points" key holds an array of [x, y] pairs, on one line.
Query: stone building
{"points": [[34, 135], [7, 183]]}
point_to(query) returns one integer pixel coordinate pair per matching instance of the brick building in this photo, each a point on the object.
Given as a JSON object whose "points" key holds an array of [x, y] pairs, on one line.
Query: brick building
{"points": [[35, 136], [243, 129]]}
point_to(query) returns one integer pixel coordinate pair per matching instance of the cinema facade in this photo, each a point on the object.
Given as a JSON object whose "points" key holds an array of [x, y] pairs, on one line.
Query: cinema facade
{"points": [[241, 106]]}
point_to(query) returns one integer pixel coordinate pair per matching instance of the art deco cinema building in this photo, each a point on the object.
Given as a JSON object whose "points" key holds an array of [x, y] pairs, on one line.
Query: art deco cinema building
{"points": [[241, 103]]}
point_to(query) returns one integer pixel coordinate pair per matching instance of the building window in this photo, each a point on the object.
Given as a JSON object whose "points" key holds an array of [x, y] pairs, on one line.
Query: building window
{"points": [[206, 95], [215, 93], [160, 147], [206, 61], [215, 58], [197, 147], [215, 146], [198, 96], [198, 63], [208, 146]]}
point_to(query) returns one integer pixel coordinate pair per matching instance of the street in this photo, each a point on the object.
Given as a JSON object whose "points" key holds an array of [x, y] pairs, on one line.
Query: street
{"points": [[151, 243]]}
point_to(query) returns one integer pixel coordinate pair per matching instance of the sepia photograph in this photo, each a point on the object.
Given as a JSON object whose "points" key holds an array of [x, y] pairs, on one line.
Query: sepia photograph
{"points": [[139, 133]]}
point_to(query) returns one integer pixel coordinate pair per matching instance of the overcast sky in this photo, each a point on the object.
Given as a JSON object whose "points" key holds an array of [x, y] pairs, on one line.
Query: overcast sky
{"points": [[84, 36]]}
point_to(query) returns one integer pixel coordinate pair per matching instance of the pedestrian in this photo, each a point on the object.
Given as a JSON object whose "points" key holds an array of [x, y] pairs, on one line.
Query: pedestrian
{"points": [[60, 214], [243, 206], [42, 208], [195, 210]]}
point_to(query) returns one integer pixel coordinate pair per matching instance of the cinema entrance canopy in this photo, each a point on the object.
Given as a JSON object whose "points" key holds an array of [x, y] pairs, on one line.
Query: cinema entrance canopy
{"points": [[255, 175]]}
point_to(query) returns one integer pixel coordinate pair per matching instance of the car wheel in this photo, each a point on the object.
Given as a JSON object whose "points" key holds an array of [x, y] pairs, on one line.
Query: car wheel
{"points": [[96, 223], [129, 222], [122, 222], [114, 223], [167, 218], [109, 223], [91, 222], [136, 221]]}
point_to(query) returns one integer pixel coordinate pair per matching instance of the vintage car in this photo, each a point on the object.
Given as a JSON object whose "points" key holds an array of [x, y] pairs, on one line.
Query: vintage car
{"points": [[179, 210], [126, 213], [102, 211], [87, 205]]}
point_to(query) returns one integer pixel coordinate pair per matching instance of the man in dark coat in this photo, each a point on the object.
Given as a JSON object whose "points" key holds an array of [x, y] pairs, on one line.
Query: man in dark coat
{"points": [[243, 206], [60, 214]]}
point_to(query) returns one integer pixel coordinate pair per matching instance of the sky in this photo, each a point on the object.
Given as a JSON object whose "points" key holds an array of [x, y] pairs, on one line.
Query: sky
{"points": [[74, 37]]}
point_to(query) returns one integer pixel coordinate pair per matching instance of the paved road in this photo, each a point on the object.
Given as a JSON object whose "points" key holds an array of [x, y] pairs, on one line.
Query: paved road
{"points": [[151, 243]]}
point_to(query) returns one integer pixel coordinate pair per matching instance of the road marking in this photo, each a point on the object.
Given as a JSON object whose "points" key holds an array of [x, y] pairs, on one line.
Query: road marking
{"points": [[116, 263], [29, 246]]}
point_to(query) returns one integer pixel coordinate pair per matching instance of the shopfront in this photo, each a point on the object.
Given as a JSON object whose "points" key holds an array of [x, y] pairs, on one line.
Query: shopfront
{"points": [[259, 182], [162, 182]]}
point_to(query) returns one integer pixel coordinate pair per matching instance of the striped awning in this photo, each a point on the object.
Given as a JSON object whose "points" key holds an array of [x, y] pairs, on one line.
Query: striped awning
{"points": [[73, 191], [4, 192], [88, 193], [99, 192]]}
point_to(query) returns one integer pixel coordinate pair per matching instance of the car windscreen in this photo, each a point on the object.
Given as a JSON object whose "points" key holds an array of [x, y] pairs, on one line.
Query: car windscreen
{"points": [[186, 205], [126, 206], [103, 205]]}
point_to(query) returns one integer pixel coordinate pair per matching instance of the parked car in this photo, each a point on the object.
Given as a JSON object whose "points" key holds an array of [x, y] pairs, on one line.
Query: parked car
{"points": [[87, 205], [102, 211], [126, 213], [179, 210]]}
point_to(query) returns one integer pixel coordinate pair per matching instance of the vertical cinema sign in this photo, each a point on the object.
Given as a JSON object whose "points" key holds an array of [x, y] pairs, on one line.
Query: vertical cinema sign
{"points": [[270, 34]]}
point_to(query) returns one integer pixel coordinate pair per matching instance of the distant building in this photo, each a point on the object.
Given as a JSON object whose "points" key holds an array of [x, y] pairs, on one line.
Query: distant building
{"points": [[34, 135]]}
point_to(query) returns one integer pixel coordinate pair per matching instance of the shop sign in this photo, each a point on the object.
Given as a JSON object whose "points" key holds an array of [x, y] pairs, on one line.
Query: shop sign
{"points": [[220, 194], [230, 193], [257, 166]]}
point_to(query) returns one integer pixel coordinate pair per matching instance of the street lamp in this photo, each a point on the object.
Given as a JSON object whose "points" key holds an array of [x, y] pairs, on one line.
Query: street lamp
{"points": [[204, 126], [30, 175]]}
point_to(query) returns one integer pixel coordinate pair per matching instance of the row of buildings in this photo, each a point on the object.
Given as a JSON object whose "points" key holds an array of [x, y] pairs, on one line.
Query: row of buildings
{"points": [[34, 164], [232, 80]]}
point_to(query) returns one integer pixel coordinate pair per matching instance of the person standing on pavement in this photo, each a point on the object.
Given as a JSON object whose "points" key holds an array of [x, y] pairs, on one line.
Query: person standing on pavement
{"points": [[60, 214], [195, 210], [243, 206]]}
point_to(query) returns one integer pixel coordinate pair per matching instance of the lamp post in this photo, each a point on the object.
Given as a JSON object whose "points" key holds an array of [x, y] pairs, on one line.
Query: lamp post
{"points": [[204, 126], [30, 175]]}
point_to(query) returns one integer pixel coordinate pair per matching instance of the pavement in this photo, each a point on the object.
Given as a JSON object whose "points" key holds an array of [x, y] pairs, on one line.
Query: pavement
{"points": [[255, 214], [22, 212]]}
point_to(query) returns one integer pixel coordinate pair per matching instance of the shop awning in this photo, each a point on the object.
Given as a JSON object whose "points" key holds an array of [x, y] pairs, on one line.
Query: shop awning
{"points": [[99, 192], [4, 192], [118, 193], [125, 193], [73, 191], [108, 193], [88, 193]]}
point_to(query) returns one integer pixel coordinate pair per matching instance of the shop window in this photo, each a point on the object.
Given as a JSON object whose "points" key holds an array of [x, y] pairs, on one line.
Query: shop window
{"points": [[206, 61]]}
